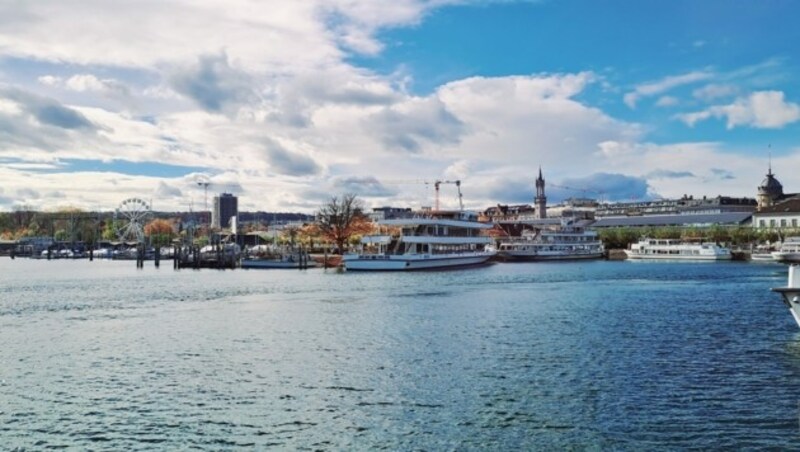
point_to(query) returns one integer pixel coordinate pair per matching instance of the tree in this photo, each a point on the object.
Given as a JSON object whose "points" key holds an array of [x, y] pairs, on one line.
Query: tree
{"points": [[160, 231], [342, 218], [290, 234]]}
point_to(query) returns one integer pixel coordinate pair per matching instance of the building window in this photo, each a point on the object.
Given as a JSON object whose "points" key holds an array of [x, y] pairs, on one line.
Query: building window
{"points": [[772, 223], [794, 222], [762, 223], [783, 223]]}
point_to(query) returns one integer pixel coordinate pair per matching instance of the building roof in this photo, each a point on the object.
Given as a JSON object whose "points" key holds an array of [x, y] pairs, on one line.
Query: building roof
{"points": [[674, 220], [789, 206], [771, 185], [532, 221]]}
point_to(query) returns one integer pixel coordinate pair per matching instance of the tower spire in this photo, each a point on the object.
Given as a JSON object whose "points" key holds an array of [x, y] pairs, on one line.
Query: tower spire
{"points": [[769, 168], [541, 199]]}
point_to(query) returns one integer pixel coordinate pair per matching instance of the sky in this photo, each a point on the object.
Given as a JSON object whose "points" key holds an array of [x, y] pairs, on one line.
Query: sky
{"points": [[286, 104]]}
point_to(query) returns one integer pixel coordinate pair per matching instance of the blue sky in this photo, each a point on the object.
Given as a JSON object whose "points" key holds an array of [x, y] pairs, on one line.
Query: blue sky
{"points": [[287, 103]]}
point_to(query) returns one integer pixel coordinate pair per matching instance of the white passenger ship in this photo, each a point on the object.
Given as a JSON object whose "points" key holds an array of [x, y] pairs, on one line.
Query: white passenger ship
{"points": [[428, 240], [677, 249], [567, 242], [789, 251]]}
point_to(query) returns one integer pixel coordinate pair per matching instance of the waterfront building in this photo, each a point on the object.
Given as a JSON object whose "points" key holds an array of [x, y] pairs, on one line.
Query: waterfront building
{"points": [[770, 191], [776, 209], [575, 208], [388, 213], [506, 212], [226, 206], [687, 205], [680, 220], [784, 214]]}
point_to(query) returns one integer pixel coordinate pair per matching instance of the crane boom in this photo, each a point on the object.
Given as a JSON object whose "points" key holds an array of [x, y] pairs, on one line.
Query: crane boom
{"points": [[457, 183]]}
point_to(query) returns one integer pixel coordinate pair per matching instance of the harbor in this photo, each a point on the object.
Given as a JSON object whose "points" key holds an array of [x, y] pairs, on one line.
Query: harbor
{"points": [[549, 354], [399, 225]]}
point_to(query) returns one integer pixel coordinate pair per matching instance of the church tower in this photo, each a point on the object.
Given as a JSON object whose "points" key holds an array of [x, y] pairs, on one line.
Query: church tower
{"points": [[770, 190], [541, 199]]}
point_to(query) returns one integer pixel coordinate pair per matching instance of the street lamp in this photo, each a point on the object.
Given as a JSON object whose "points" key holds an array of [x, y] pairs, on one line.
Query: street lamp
{"points": [[205, 185]]}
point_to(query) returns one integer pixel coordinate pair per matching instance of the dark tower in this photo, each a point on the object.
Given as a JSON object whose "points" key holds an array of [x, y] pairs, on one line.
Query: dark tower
{"points": [[541, 199], [225, 206]]}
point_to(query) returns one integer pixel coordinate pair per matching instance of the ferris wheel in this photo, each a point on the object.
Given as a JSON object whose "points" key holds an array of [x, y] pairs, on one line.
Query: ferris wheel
{"points": [[130, 218]]}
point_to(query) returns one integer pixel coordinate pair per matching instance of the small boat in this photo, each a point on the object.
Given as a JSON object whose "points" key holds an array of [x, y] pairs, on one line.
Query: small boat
{"points": [[565, 243], [428, 240], [672, 249], [762, 254], [265, 256], [791, 293], [789, 250]]}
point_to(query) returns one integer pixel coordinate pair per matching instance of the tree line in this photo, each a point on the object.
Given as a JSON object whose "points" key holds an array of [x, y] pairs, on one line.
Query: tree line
{"points": [[743, 236]]}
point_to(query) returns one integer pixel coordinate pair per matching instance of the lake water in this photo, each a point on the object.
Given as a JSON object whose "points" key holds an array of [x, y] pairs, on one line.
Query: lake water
{"points": [[623, 355]]}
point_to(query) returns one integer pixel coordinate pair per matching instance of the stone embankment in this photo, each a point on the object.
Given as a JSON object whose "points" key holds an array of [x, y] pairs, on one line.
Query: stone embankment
{"points": [[616, 255]]}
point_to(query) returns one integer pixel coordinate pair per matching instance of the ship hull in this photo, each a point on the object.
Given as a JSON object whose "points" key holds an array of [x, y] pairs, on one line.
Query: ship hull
{"points": [[413, 262], [782, 256], [678, 257], [512, 256]]}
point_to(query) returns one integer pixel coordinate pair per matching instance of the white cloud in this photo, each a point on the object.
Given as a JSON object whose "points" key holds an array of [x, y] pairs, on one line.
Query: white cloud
{"points": [[714, 91], [255, 35], [89, 82], [85, 83], [697, 168], [667, 101], [50, 80], [762, 109], [262, 97], [664, 85]]}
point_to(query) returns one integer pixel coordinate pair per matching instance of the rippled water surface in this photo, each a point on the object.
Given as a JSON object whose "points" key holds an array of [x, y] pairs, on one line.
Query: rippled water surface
{"points": [[616, 355]]}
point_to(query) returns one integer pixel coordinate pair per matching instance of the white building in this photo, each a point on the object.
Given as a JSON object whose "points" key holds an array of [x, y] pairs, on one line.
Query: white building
{"points": [[780, 215]]}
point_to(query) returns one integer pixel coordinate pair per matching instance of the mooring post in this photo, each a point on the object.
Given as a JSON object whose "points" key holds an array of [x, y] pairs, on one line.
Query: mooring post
{"points": [[91, 253], [157, 257]]}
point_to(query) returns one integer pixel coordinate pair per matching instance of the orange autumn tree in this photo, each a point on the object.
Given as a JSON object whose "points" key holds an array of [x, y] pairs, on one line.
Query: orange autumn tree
{"points": [[159, 231], [342, 218]]}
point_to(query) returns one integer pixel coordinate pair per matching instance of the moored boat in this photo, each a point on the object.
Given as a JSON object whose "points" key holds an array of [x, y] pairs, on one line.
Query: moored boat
{"points": [[427, 240], [789, 250], [672, 249], [266, 256], [567, 242], [762, 254]]}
